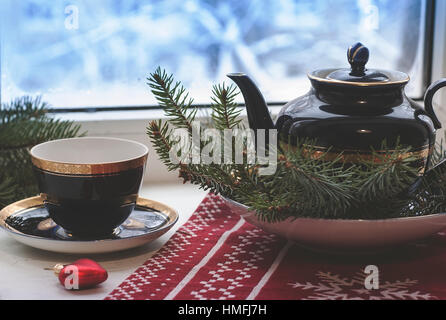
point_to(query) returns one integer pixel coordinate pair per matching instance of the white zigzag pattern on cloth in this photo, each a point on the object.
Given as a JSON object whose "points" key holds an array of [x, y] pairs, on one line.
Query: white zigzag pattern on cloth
{"points": [[218, 275], [202, 219]]}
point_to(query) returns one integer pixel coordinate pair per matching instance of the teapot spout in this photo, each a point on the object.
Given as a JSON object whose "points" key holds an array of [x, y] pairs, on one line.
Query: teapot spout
{"points": [[257, 110]]}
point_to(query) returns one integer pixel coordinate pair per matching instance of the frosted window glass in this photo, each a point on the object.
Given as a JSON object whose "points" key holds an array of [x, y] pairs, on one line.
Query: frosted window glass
{"points": [[99, 53]]}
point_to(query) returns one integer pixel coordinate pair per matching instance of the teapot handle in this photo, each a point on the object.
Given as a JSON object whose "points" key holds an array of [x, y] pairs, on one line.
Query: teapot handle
{"points": [[433, 88]]}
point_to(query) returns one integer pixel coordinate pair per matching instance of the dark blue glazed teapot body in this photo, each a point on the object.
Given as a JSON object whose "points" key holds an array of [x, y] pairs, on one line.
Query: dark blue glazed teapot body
{"points": [[351, 112]]}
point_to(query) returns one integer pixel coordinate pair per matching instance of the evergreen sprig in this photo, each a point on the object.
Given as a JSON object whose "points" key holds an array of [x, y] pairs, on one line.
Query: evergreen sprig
{"points": [[174, 99], [8, 190], [303, 185], [160, 134], [224, 108], [24, 122]]}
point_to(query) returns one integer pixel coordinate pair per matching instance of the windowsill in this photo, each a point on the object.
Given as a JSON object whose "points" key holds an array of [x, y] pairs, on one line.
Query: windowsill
{"points": [[111, 115], [135, 115]]}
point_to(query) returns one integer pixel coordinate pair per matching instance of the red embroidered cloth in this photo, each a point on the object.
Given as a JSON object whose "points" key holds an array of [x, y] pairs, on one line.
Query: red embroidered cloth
{"points": [[216, 255]]}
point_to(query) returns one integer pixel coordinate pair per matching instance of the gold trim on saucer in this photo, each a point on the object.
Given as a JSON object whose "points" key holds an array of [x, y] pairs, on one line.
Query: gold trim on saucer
{"points": [[18, 206], [33, 202], [88, 169], [161, 207]]}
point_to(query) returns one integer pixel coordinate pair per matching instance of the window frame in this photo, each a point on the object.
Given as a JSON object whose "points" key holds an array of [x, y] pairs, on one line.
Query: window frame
{"points": [[438, 42], [435, 16], [131, 121]]}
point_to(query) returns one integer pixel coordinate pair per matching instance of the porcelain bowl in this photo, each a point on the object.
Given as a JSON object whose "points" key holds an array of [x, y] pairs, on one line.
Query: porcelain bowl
{"points": [[343, 235]]}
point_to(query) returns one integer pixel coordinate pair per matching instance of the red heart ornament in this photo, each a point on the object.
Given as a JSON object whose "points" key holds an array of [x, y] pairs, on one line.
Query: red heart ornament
{"points": [[81, 274]]}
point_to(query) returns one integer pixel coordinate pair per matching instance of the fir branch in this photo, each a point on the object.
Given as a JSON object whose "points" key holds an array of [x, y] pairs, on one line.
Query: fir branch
{"points": [[224, 109], [8, 190], [24, 123], [27, 133], [23, 108], [160, 134], [173, 98], [205, 177], [386, 175]]}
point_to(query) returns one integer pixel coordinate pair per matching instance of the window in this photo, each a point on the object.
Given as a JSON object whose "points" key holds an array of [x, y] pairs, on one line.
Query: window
{"points": [[98, 53]]}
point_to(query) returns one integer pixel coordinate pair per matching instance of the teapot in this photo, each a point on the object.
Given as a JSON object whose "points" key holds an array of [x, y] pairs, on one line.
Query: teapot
{"points": [[350, 112]]}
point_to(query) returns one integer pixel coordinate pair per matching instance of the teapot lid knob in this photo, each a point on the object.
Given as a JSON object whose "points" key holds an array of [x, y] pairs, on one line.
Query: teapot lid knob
{"points": [[358, 75], [358, 56]]}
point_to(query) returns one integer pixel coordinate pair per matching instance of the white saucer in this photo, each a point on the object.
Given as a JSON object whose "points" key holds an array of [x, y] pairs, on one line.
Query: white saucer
{"points": [[28, 222], [347, 235]]}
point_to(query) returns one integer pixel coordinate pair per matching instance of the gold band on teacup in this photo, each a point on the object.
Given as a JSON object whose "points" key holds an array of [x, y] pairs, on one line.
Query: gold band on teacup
{"points": [[123, 201], [88, 169]]}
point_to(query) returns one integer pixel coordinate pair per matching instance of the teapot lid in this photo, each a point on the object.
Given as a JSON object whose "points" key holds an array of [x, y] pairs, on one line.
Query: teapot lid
{"points": [[358, 75]]}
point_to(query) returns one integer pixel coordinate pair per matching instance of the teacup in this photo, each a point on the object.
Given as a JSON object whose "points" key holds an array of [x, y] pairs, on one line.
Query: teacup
{"points": [[89, 185]]}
